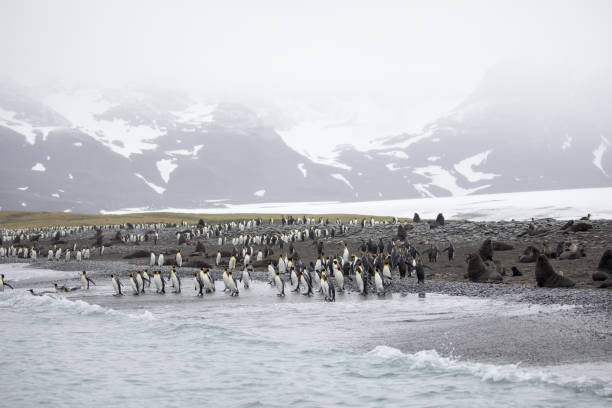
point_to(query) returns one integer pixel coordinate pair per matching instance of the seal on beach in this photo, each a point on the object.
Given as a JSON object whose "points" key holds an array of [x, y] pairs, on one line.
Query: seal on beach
{"points": [[604, 269], [486, 250], [546, 277], [530, 254], [477, 271]]}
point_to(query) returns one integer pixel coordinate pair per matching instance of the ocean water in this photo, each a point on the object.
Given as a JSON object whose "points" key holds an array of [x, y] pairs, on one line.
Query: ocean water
{"points": [[93, 349]]}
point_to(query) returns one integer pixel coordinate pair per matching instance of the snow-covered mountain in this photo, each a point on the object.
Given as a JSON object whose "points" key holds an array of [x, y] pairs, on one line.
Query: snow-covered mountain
{"points": [[88, 151]]}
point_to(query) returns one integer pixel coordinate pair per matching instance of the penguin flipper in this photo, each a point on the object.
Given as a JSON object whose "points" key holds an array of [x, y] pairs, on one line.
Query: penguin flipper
{"points": [[6, 284], [91, 281]]}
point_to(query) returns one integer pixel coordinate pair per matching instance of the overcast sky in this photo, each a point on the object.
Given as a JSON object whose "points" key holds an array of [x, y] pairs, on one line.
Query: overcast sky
{"points": [[385, 65]]}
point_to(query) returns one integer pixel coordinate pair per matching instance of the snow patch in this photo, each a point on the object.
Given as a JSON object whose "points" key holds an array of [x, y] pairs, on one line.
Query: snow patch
{"points": [[340, 177], [156, 188], [67, 210], [70, 176], [38, 167], [82, 108], [24, 204], [78, 144], [444, 179], [55, 195], [23, 188], [166, 167], [302, 169], [433, 158], [598, 154], [196, 114], [184, 152], [9, 120], [259, 193], [465, 167], [48, 158]]}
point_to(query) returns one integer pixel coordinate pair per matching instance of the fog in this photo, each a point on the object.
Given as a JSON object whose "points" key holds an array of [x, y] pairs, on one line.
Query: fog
{"points": [[384, 67]]}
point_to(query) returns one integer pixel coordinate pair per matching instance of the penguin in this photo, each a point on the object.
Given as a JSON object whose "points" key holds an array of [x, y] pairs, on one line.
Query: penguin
{"points": [[176, 281], [232, 263], [204, 281], [280, 284], [85, 281], [306, 282], [50, 255], [146, 278], [140, 281], [102, 250], [330, 291], [63, 288], [198, 284], [420, 271], [225, 280], [160, 284], [361, 284], [246, 277], [271, 273], [179, 259], [218, 260], [232, 284], [211, 279], [152, 259], [339, 278], [160, 260], [295, 281], [134, 284], [378, 281], [3, 284], [116, 285]]}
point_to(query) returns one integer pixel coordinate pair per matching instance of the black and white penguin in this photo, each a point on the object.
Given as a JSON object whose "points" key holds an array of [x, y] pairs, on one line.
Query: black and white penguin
{"points": [[295, 281], [3, 283], [176, 281], [198, 284], [246, 277], [306, 282], [116, 285], [134, 284], [329, 290], [232, 284], [361, 283], [378, 282], [146, 278], [179, 259], [140, 281], [85, 281], [280, 284]]}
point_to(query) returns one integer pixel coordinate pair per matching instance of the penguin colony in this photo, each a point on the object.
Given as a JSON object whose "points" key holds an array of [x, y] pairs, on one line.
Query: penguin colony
{"points": [[372, 271]]}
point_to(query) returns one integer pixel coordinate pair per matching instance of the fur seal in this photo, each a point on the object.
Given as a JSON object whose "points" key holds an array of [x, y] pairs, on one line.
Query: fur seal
{"points": [[502, 246], [604, 269], [530, 254], [516, 272], [440, 219], [477, 272], [580, 227], [486, 250], [546, 277], [416, 218]]}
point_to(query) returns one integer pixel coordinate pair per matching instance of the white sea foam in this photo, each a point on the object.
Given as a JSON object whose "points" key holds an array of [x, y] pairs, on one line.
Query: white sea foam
{"points": [[431, 360]]}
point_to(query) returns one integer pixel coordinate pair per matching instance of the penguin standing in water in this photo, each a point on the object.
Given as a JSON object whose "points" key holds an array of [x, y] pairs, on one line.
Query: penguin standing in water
{"points": [[232, 284], [140, 282], [330, 290], [225, 280], [271, 273], [160, 283], [246, 277], [378, 281], [146, 278], [85, 281], [116, 285], [134, 284], [306, 282], [3, 284], [206, 285], [361, 283], [295, 281], [280, 284], [198, 284], [176, 281]]}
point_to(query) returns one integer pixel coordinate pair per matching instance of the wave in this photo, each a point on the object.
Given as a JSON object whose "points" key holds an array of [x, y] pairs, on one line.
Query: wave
{"points": [[430, 359], [45, 303]]}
